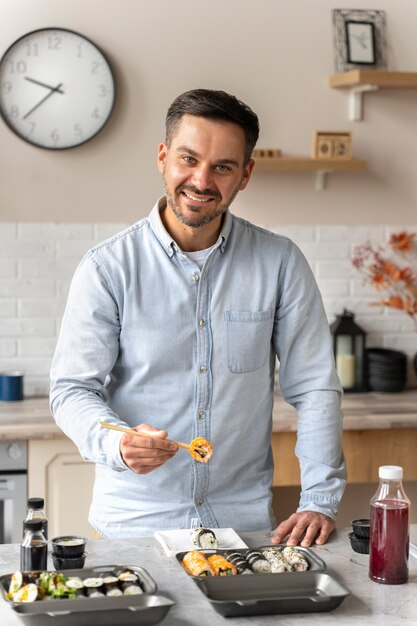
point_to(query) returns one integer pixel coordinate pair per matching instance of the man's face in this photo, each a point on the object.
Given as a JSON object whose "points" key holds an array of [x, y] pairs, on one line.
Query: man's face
{"points": [[203, 169]]}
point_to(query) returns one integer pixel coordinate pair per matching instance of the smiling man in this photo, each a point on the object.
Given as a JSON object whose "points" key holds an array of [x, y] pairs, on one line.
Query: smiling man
{"points": [[173, 327]]}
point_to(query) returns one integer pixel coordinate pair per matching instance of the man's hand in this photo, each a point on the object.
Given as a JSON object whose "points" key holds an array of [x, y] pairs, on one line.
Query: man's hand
{"points": [[304, 527], [145, 454]]}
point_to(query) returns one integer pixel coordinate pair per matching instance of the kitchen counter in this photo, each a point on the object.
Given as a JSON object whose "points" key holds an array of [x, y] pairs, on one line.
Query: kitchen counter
{"points": [[31, 418], [369, 603]]}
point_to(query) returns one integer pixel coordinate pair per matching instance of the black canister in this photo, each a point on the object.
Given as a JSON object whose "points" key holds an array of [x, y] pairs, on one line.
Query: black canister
{"points": [[34, 547]]}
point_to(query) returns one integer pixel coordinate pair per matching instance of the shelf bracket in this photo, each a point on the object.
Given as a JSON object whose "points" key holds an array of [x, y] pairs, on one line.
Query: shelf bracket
{"points": [[320, 184], [356, 101]]}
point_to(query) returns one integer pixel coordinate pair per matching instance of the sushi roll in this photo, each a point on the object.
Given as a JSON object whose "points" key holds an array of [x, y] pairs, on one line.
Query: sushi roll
{"points": [[204, 538], [92, 592], [74, 582], [131, 589], [196, 564], [113, 592], [295, 559], [221, 566], [201, 450], [239, 561], [258, 563], [275, 558], [110, 582], [126, 575], [93, 587]]}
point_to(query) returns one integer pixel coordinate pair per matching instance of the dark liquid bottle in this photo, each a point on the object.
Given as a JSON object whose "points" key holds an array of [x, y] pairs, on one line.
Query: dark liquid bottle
{"points": [[389, 532], [34, 547], [36, 510]]}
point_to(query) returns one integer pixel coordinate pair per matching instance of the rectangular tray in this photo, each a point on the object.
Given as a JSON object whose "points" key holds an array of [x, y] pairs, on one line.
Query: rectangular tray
{"points": [[147, 608], [268, 594]]}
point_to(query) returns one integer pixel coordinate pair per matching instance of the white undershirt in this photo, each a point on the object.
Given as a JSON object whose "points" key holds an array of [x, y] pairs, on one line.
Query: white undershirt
{"points": [[199, 256]]}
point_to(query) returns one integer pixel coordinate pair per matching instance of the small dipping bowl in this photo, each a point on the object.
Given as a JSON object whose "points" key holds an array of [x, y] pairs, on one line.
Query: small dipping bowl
{"points": [[358, 544], [361, 528], [68, 546], [68, 562]]}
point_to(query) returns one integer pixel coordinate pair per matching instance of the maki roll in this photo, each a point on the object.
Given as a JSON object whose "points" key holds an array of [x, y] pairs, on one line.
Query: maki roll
{"points": [[295, 559], [239, 561], [201, 450], [93, 587], [113, 592], [75, 586], [258, 562], [196, 564], [110, 582], [131, 589], [278, 563], [126, 575], [221, 566], [203, 538]]}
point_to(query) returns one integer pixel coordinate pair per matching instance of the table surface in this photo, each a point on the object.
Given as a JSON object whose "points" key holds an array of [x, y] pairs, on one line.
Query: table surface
{"points": [[31, 417], [368, 603]]}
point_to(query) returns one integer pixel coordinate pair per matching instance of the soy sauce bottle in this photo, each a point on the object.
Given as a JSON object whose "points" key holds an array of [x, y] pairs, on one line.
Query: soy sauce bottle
{"points": [[389, 532], [36, 510], [34, 547]]}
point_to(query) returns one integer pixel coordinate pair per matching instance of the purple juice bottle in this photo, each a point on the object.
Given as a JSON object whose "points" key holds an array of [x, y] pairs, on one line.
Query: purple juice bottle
{"points": [[389, 532]]}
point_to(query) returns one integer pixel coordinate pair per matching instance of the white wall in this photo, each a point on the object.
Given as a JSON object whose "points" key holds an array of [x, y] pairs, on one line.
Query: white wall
{"points": [[275, 54]]}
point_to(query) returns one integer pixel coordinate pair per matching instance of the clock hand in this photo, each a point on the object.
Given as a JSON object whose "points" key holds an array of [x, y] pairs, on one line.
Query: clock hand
{"points": [[38, 82], [43, 100]]}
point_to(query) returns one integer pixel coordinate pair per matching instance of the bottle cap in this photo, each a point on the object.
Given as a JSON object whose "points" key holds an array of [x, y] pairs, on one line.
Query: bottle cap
{"points": [[36, 503], [34, 524], [391, 472]]}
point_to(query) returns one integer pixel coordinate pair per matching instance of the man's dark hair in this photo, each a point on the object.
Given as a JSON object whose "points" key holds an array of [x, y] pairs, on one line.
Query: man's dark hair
{"points": [[214, 105]]}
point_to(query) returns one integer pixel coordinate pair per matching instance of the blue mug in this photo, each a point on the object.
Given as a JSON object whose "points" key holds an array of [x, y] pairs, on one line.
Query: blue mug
{"points": [[11, 386]]}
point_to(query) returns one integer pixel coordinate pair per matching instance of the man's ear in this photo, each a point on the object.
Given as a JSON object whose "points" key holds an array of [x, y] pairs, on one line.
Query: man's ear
{"points": [[162, 155], [247, 171]]}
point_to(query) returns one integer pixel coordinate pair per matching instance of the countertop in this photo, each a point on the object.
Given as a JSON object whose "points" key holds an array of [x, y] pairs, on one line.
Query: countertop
{"points": [[368, 603], [31, 418]]}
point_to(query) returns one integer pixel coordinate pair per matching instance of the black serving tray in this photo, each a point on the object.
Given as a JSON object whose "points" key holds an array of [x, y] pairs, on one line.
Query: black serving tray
{"points": [[269, 594], [147, 608]]}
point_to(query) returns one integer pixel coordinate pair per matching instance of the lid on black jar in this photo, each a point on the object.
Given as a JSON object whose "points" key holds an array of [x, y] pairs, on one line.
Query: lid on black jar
{"points": [[36, 503], [34, 525]]}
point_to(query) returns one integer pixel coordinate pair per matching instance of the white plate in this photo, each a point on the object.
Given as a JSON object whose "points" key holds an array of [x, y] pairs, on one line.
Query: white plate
{"points": [[173, 541]]}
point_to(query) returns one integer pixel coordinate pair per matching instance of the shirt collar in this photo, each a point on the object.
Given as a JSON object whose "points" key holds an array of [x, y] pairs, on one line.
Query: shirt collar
{"points": [[168, 243]]}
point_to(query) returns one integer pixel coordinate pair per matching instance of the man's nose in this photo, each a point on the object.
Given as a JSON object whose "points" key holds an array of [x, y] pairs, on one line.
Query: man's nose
{"points": [[202, 177]]}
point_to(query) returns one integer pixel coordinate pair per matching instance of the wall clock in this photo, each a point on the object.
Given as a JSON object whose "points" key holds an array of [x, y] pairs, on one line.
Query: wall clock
{"points": [[57, 88]]}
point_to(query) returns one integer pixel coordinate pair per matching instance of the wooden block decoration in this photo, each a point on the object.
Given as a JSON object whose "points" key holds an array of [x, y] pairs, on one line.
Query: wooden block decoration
{"points": [[266, 153], [332, 145]]}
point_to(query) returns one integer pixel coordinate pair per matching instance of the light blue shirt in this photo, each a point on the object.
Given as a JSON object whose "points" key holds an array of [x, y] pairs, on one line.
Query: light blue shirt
{"points": [[148, 336]]}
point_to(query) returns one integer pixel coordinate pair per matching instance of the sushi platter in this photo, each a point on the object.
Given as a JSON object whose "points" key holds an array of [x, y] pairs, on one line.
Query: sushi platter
{"points": [[98, 596], [288, 581]]}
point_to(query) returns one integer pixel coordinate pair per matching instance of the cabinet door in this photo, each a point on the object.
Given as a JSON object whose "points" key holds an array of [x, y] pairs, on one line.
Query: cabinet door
{"points": [[57, 472]]}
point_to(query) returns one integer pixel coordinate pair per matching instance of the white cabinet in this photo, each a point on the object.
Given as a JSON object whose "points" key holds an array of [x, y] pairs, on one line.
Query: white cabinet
{"points": [[57, 473]]}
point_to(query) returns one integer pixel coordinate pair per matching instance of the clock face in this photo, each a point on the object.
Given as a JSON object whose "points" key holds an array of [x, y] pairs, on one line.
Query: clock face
{"points": [[57, 89]]}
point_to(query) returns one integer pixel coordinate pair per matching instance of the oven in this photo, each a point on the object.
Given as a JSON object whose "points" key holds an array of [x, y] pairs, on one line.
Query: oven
{"points": [[13, 490]]}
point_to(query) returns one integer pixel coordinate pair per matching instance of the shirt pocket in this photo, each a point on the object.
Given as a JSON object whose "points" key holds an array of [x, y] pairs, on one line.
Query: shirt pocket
{"points": [[248, 339]]}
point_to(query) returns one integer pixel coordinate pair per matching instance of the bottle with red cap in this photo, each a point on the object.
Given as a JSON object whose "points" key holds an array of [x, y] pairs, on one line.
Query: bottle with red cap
{"points": [[390, 529]]}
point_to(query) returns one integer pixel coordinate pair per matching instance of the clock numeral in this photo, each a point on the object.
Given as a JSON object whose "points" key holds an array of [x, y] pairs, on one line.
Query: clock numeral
{"points": [[95, 114], [32, 49], [55, 136], [95, 65], [103, 90], [6, 87], [18, 68], [78, 131], [54, 43], [14, 111]]}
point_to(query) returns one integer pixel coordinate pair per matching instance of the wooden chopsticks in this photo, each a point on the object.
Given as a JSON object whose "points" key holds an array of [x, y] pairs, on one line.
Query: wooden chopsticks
{"points": [[131, 431]]}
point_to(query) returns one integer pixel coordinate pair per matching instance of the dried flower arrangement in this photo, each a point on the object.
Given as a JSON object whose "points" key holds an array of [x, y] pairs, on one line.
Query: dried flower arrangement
{"points": [[394, 272]]}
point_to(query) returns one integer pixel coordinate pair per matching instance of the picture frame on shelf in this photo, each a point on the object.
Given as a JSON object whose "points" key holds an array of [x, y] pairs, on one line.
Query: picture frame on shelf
{"points": [[359, 39]]}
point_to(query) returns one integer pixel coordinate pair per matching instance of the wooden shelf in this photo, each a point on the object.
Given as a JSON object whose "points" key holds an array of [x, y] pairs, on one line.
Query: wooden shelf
{"points": [[362, 81], [321, 167]]}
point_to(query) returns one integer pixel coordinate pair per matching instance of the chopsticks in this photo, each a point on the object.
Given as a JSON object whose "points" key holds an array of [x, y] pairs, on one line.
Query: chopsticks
{"points": [[131, 431]]}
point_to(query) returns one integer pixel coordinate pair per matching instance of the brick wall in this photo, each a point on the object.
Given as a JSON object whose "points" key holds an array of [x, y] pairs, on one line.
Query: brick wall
{"points": [[37, 261]]}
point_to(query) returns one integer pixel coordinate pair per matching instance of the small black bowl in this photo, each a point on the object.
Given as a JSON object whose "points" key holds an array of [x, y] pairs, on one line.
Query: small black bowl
{"points": [[359, 545], [361, 528], [68, 562], [71, 546]]}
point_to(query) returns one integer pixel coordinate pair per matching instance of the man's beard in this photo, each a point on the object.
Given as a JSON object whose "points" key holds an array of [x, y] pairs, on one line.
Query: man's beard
{"points": [[197, 221]]}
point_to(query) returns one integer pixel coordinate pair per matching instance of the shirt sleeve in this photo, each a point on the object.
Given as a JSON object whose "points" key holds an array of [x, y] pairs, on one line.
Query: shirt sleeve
{"points": [[86, 351], [309, 382]]}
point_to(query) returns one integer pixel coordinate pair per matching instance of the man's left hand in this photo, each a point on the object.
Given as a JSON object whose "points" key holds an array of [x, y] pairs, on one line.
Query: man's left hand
{"points": [[305, 528]]}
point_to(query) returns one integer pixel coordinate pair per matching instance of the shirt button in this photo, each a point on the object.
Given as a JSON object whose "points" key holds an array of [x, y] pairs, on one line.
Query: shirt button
{"points": [[199, 501], [202, 323], [203, 369], [195, 277], [201, 415]]}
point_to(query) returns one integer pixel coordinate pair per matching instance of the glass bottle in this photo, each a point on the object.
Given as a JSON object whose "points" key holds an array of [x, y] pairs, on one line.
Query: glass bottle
{"points": [[389, 531], [36, 510], [34, 547]]}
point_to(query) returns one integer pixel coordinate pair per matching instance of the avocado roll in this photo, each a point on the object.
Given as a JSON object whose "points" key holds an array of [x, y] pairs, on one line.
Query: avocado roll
{"points": [[113, 592], [258, 563], [204, 538], [126, 575], [131, 589], [275, 558], [239, 561], [92, 585]]}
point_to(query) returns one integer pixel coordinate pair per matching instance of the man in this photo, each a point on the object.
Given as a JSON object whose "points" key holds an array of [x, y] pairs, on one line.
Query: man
{"points": [[173, 326]]}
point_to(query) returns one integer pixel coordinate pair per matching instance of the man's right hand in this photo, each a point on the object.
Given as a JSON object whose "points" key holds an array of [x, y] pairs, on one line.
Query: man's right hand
{"points": [[147, 453]]}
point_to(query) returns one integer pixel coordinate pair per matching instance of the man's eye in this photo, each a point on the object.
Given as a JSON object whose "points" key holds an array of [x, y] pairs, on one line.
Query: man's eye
{"points": [[222, 168], [189, 159]]}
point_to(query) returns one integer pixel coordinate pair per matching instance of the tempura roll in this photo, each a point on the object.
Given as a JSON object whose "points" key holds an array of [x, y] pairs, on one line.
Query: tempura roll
{"points": [[196, 564], [221, 566]]}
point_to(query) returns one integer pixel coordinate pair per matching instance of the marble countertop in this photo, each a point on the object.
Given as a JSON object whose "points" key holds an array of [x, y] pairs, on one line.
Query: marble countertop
{"points": [[31, 418], [368, 603]]}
